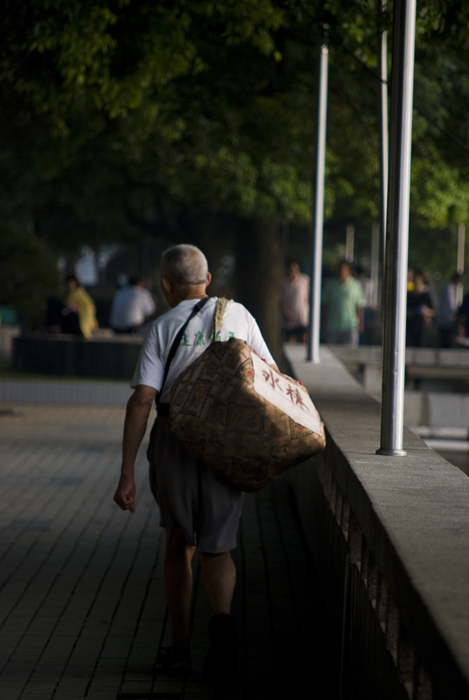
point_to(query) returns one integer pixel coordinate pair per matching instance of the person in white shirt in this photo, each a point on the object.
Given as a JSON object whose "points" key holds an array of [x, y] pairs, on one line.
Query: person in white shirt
{"points": [[131, 306], [295, 304], [197, 509], [448, 309]]}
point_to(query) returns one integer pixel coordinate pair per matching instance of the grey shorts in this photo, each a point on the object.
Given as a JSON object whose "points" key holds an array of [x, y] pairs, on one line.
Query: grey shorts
{"points": [[190, 496]]}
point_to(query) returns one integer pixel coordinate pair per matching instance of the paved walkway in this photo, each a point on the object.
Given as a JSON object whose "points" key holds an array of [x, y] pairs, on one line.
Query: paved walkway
{"points": [[82, 608]]}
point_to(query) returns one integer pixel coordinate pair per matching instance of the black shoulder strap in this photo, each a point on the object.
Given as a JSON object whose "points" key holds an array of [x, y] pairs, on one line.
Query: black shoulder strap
{"points": [[178, 338]]}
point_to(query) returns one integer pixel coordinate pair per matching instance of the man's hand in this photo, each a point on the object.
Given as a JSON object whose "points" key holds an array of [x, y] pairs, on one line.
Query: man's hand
{"points": [[125, 494], [136, 416]]}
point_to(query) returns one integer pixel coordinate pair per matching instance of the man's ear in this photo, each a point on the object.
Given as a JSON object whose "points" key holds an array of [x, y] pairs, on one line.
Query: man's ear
{"points": [[209, 279], [167, 284]]}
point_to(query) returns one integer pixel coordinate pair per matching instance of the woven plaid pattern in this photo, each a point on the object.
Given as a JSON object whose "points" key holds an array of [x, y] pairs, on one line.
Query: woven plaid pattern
{"points": [[218, 415]]}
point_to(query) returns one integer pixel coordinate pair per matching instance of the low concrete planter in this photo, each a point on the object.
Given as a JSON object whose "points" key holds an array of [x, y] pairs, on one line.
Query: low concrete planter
{"points": [[112, 357]]}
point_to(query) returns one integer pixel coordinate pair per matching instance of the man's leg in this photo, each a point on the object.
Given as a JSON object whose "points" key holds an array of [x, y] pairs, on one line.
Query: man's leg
{"points": [[219, 577], [178, 585]]}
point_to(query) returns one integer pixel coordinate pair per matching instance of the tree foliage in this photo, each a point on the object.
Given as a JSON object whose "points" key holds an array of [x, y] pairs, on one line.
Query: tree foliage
{"points": [[121, 117], [28, 273]]}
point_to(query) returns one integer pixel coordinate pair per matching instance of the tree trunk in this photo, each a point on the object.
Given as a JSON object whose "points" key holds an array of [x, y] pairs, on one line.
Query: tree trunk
{"points": [[259, 276]]}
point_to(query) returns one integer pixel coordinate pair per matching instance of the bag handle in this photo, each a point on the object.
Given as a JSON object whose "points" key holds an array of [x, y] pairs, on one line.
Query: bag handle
{"points": [[219, 311], [178, 339]]}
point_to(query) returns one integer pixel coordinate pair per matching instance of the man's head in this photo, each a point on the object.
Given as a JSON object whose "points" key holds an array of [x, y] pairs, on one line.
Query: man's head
{"points": [[184, 273], [420, 280], [71, 282], [343, 270], [293, 269]]}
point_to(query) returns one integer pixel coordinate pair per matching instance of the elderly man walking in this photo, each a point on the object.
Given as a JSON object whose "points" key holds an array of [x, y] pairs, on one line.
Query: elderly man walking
{"points": [[197, 509]]}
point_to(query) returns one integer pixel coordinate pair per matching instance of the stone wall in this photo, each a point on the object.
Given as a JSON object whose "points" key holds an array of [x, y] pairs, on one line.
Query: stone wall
{"points": [[390, 539]]}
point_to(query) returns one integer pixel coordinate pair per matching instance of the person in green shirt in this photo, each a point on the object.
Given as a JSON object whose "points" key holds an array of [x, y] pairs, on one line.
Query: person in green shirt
{"points": [[343, 301]]}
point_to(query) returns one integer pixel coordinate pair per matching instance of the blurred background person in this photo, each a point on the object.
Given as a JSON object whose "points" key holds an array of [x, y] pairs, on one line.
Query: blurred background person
{"points": [[79, 302], [410, 279], [462, 319], [295, 304], [448, 309], [420, 312], [343, 301], [131, 306], [368, 290]]}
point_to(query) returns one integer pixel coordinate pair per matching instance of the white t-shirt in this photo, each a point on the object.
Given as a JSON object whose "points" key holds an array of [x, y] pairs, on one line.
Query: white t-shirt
{"points": [[237, 322], [130, 306]]}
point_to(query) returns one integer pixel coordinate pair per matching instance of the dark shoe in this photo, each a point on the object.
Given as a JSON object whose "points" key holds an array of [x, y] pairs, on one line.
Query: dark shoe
{"points": [[220, 662], [176, 662]]}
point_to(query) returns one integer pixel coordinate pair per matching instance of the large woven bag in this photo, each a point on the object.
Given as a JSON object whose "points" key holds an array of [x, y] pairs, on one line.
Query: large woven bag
{"points": [[248, 422]]}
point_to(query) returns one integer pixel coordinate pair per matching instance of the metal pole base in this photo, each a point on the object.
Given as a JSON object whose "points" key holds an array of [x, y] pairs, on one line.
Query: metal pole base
{"points": [[391, 453]]}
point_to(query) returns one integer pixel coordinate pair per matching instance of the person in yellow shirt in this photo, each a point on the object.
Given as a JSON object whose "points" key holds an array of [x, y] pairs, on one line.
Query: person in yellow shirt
{"points": [[78, 300]]}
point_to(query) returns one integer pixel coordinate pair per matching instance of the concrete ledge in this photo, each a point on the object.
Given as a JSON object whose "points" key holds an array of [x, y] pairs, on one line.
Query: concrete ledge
{"points": [[113, 357], [391, 542], [437, 409]]}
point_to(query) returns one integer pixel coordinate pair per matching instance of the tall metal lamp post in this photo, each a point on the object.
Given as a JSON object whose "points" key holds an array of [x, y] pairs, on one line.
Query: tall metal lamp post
{"points": [[318, 215], [397, 230]]}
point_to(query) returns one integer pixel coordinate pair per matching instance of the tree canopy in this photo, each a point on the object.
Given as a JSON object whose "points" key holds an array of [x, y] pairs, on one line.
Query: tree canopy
{"points": [[121, 117]]}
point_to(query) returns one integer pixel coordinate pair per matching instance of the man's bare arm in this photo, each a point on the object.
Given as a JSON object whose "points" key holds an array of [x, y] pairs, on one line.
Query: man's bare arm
{"points": [[136, 418]]}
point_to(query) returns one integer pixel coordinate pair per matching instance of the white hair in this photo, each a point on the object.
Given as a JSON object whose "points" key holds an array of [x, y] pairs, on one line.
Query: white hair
{"points": [[184, 264]]}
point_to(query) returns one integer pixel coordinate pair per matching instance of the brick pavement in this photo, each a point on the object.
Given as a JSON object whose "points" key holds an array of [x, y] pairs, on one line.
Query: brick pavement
{"points": [[82, 607]]}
